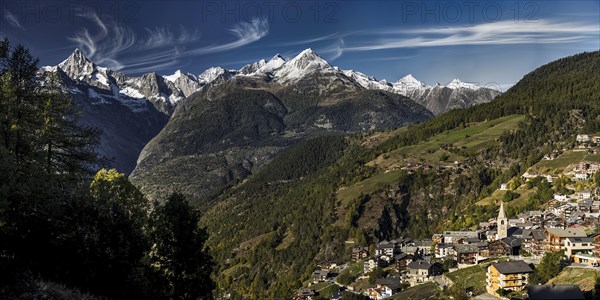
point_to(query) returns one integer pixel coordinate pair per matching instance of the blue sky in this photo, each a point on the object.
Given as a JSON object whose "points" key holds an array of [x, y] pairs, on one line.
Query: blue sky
{"points": [[487, 42]]}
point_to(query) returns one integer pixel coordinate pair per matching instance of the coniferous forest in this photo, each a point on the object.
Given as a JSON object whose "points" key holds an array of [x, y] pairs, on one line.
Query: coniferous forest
{"points": [[68, 231]]}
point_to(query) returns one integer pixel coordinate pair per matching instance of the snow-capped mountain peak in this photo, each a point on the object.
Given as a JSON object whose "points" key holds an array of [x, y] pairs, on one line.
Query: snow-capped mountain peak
{"points": [[252, 68], [77, 65], [410, 79], [457, 84], [277, 57], [307, 62], [368, 82], [274, 63], [309, 58], [262, 66], [173, 77], [408, 84], [212, 73]]}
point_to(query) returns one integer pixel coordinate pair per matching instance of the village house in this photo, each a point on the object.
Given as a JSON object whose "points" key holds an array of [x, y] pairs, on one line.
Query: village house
{"points": [[420, 271], [384, 288], [561, 197], [385, 248], [320, 275], [588, 259], [508, 276], [555, 237], [583, 138], [402, 260], [582, 176], [454, 237], [305, 294], [387, 259], [422, 246], [596, 244], [483, 249], [327, 265], [586, 252], [359, 253], [466, 254], [442, 250], [577, 245], [584, 194], [585, 206], [506, 246], [373, 263], [551, 156], [595, 206], [533, 241]]}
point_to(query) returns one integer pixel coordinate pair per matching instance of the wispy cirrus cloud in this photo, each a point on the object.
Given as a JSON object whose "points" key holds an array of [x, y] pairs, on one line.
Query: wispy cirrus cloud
{"points": [[245, 33], [113, 45], [314, 40], [333, 51], [498, 33], [507, 32], [12, 19]]}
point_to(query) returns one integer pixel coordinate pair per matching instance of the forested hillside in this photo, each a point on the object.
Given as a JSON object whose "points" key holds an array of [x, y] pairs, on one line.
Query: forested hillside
{"points": [[269, 231], [71, 230]]}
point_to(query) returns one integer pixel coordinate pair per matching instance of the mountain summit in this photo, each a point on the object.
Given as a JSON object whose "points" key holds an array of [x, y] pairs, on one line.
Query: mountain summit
{"points": [[303, 64], [77, 65]]}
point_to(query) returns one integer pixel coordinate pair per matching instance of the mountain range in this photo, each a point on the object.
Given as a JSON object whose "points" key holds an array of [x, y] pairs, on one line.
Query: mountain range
{"points": [[208, 130]]}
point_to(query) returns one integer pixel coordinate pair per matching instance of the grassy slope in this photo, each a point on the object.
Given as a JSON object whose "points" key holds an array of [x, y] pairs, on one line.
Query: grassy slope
{"points": [[496, 197], [477, 134], [422, 291], [472, 137], [473, 278], [585, 278], [564, 160]]}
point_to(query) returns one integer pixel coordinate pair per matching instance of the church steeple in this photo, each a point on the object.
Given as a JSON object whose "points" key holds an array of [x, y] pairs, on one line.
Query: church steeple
{"points": [[502, 223], [501, 214]]}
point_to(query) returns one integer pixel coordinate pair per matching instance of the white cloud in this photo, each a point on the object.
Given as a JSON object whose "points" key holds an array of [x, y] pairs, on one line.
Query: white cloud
{"points": [[12, 19], [313, 40], [334, 51], [498, 33], [245, 33], [113, 45]]}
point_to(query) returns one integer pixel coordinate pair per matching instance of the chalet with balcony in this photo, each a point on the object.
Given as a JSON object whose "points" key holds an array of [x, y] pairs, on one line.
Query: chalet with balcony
{"points": [[420, 271], [402, 261], [555, 237], [384, 288], [466, 254], [508, 276], [359, 253], [578, 245]]}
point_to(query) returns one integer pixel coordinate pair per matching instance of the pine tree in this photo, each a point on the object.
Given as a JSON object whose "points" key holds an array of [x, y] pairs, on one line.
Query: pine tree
{"points": [[68, 147], [178, 254]]}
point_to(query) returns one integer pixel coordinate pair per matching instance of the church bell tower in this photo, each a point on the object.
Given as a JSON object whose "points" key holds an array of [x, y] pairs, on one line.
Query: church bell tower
{"points": [[502, 223]]}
